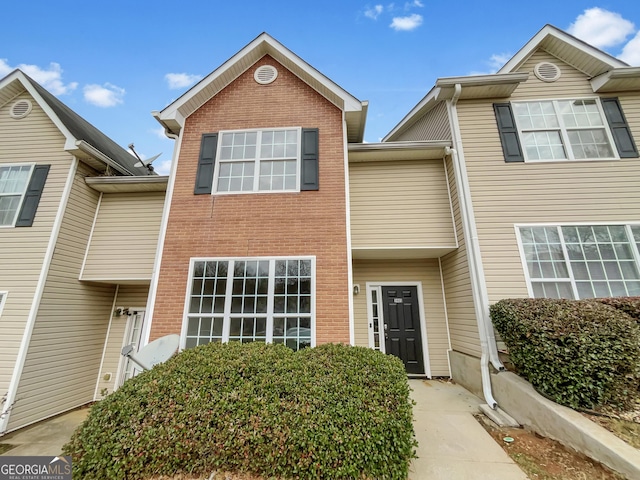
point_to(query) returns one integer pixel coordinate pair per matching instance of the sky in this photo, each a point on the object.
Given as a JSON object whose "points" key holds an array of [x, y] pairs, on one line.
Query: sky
{"points": [[116, 62]]}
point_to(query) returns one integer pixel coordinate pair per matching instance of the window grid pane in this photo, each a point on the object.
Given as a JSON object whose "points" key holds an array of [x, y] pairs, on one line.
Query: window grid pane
{"points": [[563, 129], [13, 184], [238, 297]]}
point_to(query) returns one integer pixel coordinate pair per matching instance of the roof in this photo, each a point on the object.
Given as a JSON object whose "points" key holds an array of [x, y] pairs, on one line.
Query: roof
{"points": [[607, 73], [173, 116], [82, 139]]}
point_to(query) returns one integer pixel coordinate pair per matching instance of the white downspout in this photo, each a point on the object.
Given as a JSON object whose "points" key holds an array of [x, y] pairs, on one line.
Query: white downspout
{"points": [[481, 299]]}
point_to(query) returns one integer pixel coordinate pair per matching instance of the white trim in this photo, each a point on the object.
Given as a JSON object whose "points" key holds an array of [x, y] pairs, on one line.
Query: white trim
{"points": [[229, 290], [106, 340], [3, 299], [347, 201], [93, 226], [422, 314], [118, 381], [453, 217], [22, 195], [33, 312], [577, 224], [157, 263], [370, 288], [19, 116], [446, 313]]}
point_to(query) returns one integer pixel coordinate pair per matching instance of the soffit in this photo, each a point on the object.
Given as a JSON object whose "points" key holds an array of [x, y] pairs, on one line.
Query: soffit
{"points": [[155, 183], [397, 151], [617, 80]]}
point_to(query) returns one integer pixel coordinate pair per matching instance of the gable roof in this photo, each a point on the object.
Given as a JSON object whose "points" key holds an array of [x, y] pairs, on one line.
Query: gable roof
{"points": [[172, 117], [81, 138], [607, 74]]}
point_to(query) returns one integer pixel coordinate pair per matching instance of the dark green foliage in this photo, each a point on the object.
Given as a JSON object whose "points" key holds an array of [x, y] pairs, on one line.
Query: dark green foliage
{"points": [[327, 412], [629, 305], [580, 353]]}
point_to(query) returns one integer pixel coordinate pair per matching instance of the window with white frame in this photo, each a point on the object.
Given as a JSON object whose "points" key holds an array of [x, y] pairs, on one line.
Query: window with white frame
{"points": [[3, 297], [572, 129], [251, 300], [14, 180], [582, 261], [258, 161]]}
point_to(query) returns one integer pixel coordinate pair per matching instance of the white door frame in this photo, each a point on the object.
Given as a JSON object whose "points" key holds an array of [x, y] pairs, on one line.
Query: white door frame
{"points": [[126, 340], [377, 286]]}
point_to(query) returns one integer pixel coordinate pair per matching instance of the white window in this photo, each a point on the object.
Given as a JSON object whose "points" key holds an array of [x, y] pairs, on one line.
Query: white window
{"points": [[14, 180], [258, 161], [251, 300], [581, 261], [563, 130]]}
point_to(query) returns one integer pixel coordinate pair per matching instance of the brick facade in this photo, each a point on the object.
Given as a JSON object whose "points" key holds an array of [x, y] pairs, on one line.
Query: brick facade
{"points": [[261, 224]]}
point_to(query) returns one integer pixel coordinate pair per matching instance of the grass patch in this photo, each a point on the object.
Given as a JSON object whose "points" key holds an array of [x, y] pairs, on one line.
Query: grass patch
{"points": [[5, 447]]}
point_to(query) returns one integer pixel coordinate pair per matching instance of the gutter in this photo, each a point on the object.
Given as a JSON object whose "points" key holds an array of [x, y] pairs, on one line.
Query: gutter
{"points": [[480, 297]]}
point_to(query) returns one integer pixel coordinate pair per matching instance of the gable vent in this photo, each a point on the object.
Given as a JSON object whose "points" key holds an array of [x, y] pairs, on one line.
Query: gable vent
{"points": [[20, 109], [547, 71], [265, 74]]}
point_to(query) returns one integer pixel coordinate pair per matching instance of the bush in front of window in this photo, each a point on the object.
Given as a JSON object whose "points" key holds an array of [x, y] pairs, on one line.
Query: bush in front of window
{"points": [[328, 412], [579, 353]]}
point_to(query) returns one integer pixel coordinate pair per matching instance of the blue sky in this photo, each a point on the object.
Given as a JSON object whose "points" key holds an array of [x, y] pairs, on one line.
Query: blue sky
{"points": [[114, 62]]}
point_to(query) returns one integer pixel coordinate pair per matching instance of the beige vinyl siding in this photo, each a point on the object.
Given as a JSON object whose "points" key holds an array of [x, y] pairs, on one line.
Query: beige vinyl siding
{"points": [[426, 271], [400, 204], [66, 346], [123, 243], [432, 126], [134, 296], [553, 192], [463, 324], [33, 139]]}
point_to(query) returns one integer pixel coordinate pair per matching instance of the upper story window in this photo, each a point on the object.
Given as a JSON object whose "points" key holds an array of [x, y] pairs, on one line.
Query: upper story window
{"points": [[13, 186], [258, 161], [563, 130], [267, 160]]}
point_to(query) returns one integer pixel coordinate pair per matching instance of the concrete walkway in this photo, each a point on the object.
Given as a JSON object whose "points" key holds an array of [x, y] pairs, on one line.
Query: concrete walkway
{"points": [[452, 444], [45, 438]]}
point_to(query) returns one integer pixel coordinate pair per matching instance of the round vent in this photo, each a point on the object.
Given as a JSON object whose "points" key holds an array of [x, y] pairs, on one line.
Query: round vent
{"points": [[20, 109], [265, 74], [547, 71]]}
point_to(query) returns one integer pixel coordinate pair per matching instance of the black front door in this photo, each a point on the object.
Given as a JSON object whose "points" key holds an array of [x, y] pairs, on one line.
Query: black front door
{"points": [[402, 326]]}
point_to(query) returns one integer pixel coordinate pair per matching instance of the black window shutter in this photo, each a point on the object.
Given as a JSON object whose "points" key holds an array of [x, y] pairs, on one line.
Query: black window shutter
{"points": [[508, 133], [32, 196], [206, 164], [309, 176], [619, 128]]}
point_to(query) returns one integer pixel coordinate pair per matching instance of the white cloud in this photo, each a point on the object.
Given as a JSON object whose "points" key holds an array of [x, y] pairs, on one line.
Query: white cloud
{"points": [[406, 23], [415, 3], [374, 12], [181, 80], [107, 95], [497, 60], [631, 51], [601, 28], [50, 78], [163, 168], [159, 132]]}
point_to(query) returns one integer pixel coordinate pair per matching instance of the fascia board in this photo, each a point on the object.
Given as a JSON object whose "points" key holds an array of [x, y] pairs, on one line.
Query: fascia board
{"points": [[599, 82], [264, 44], [549, 30]]}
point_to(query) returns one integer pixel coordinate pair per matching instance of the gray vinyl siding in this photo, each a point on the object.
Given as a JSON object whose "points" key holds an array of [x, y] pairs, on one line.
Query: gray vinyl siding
{"points": [[553, 192], [33, 139], [463, 324], [432, 126], [426, 271], [134, 296], [124, 238], [66, 346], [400, 204]]}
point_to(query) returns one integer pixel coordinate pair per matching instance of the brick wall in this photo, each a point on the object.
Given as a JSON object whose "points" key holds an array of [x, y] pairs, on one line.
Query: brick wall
{"points": [[243, 225]]}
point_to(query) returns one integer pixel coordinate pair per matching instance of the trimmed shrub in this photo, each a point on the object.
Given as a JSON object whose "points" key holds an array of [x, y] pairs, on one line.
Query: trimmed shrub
{"points": [[580, 353], [629, 305], [328, 412]]}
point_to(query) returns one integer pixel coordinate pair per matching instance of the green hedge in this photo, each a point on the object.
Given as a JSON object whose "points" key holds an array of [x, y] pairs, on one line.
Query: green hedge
{"points": [[328, 412], [580, 353], [629, 305]]}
